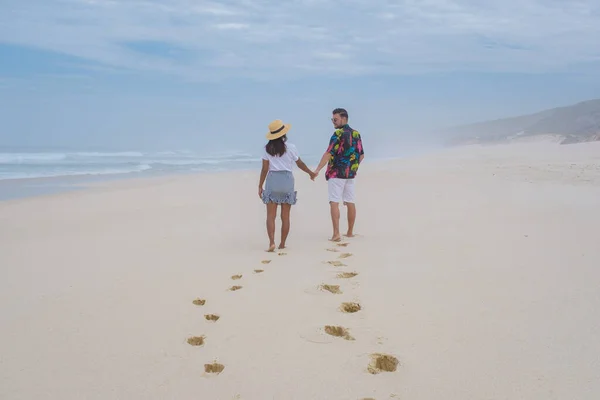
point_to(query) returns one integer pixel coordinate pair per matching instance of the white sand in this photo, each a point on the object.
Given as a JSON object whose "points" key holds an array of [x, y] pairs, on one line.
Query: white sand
{"points": [[478, 269]]}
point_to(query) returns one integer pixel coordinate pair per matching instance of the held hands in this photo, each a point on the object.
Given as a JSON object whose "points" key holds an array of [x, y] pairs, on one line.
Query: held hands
{"points": [[314, 174]]}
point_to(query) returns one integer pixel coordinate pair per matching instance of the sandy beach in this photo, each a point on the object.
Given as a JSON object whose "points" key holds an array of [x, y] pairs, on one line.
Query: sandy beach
{"points": [[476, 268]]}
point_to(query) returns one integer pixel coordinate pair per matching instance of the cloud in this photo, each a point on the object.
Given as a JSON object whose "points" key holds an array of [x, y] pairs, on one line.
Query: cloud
{"points": [[231, 26], [278, 40]]}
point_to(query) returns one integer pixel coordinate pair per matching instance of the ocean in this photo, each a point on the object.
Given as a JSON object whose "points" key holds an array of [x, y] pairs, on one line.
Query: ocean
{"points": [[46, 164], [27, 172]]}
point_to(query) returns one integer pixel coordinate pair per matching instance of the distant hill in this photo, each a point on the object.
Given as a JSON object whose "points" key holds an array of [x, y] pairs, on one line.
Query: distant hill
{"points": [[571, 124]]}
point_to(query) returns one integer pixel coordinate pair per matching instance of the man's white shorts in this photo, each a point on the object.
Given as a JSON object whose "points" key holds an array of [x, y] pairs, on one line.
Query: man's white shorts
{"points": [[341, 190]]}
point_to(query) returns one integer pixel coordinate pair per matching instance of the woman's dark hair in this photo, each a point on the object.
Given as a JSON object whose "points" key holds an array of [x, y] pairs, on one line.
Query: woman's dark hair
{"points": [[276, 146]]}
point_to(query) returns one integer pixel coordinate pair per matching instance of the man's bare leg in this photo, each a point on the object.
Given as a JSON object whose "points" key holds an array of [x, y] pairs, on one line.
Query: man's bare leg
{"points": [[335, 220], [351, 218], [285, 223], [271, 214]]}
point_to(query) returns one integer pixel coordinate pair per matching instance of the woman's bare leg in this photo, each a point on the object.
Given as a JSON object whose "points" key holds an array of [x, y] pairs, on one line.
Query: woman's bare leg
{"points": [[285, 223], [271, 214]]}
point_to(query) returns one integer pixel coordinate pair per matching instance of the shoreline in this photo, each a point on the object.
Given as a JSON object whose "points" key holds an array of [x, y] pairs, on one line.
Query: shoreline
{"points": [[28, 188], [14, 190], [57, 185]]}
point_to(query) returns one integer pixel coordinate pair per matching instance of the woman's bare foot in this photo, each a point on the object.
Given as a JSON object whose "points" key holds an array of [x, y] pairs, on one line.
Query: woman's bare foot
{"points": [[336, 238], [349, 234], [271, 248], [282, 246]]}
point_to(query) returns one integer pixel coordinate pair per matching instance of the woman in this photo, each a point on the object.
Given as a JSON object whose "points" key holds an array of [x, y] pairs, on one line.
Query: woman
{"points": [[277, 164]]}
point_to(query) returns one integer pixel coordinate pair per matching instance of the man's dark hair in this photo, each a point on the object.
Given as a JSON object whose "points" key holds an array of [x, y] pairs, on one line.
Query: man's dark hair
{"points": [[277, 146], [341, 111]]}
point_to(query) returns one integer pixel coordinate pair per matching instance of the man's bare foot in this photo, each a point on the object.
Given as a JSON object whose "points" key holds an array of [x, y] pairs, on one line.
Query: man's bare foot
{"points": [[271, 248], [335, 238], [282, 246], [349, 234]]}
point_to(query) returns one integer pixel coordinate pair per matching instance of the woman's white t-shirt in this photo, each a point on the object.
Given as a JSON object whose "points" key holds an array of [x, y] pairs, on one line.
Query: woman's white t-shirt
{"points": [[285, 162]]}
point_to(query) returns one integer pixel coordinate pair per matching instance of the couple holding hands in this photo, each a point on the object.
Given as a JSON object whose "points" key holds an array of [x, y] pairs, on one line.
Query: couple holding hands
{"points": [[343, 156]]}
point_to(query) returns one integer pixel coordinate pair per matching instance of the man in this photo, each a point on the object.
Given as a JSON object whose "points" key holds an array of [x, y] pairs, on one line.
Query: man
{"points": [[343, 156]]}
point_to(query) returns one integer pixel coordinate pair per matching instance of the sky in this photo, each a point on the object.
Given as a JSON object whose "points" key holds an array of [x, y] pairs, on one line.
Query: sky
{"points": [[211, 75]]}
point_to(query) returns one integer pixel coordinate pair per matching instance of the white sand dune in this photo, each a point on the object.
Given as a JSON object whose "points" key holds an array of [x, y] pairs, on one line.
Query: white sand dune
{"points": [[478, 269]]}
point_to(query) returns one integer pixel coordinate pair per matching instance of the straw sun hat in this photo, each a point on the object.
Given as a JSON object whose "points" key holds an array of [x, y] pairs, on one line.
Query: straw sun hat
{"points": [[277, 129]]}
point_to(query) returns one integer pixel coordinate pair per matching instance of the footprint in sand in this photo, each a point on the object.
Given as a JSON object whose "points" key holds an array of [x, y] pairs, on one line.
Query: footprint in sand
{"points": [[335, 289], [333, 250], [350, 307], [382, 363], [265, 261], [282, 254], [345, 255], [259, 271], [196, 340], [234, 288], [343, 244], [236, 277], [214, 368], [347, 275], [338, 331], [336, 263], [212, 317], [199, 302]]}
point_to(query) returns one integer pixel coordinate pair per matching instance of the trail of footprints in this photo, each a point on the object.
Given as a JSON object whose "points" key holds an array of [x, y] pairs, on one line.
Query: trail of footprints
{"points": [[215, 367], [379, 362]]}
